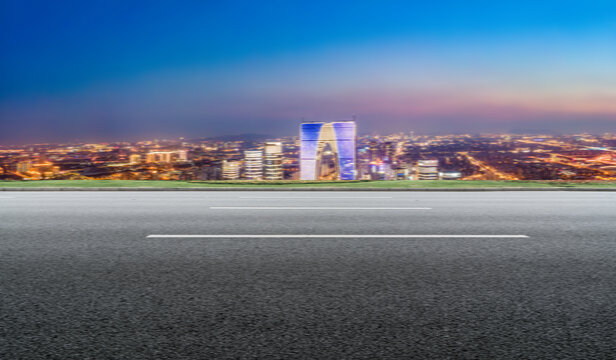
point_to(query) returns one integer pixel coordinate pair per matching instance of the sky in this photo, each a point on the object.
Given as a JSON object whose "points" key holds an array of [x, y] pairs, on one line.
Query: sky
{"points": [[122, 70]]}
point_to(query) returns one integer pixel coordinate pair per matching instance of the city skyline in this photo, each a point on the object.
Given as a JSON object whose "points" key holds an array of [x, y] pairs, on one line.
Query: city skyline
{"points": [[113, 71], [318, 155]]}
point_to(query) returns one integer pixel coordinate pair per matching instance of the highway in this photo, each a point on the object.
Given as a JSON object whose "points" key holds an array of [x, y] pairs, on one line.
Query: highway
{"points": [[320, 275]]}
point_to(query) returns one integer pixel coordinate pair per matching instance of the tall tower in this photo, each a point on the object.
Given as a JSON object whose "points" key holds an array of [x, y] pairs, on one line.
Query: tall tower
{"points": [[334, 139], [253, 164], [273, 161]]}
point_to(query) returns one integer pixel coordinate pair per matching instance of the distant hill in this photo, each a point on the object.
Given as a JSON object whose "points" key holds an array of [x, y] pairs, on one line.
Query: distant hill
{"points": [[533, 132]]}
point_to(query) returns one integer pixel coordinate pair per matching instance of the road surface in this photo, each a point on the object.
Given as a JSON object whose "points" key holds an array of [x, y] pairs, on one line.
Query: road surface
{"points": [[477, 275]]}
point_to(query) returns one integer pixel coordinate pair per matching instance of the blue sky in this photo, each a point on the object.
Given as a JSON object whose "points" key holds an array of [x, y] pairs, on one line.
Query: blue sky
{"points": [[125, 69]]}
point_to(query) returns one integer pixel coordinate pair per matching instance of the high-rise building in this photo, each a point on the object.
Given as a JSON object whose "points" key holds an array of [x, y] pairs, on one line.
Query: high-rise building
{"points": [[427, 170], [273, 161], [230, 170], [253, 164], [182, 155], [134, 158], [334, 141]]}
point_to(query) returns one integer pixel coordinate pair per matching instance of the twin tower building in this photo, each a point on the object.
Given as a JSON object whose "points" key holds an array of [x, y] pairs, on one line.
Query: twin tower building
{"points": [[328, 150]]}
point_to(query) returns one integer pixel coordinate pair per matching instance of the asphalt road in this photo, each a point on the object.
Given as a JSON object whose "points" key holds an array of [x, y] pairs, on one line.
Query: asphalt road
{"points": [[79, 279]]}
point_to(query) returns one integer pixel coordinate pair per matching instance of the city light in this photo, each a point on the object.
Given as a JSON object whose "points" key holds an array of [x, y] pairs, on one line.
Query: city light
{"points": [[323, 152]]}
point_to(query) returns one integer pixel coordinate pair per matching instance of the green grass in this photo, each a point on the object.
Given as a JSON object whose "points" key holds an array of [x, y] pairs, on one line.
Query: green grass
{"points": [[344, 184]]}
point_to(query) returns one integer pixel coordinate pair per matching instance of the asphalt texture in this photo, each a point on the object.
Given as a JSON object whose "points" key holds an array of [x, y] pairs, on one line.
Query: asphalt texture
{"points": [[80, 280]]}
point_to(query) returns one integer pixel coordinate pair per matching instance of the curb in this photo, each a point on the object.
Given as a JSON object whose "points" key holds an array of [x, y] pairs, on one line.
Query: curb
{"points": [[300, 189]]}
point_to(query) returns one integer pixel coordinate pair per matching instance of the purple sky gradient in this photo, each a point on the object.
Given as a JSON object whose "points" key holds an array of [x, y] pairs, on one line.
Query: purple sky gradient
{"points": [[558, 79]]}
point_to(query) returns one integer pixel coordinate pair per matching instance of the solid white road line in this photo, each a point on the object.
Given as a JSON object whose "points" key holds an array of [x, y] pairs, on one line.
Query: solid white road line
{"points": [[338, 236], [314, 197], [312, 208]]}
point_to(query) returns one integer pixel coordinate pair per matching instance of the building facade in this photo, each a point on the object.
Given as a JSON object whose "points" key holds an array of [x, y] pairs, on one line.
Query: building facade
{"points": [[230, 170], [134, 159], [335, 141], [253, 164], [427, 170], [273, 161], [166, 156]]}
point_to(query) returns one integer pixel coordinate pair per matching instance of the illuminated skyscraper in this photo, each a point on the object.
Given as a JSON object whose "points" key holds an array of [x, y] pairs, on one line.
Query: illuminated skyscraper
{"points": [[335, 141], [273, 161], [230, 170], [253, 164], [135, 158]]}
